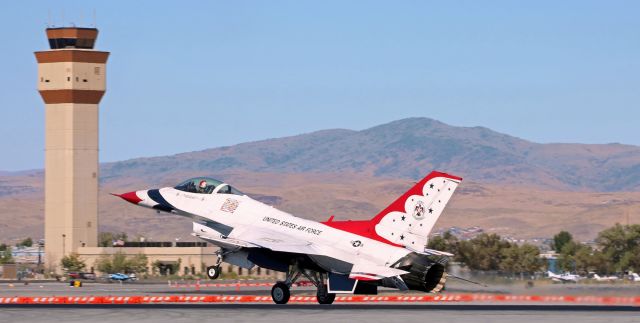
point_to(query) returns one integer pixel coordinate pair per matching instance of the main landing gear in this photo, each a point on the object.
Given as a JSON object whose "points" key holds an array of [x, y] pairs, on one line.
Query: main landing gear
{"points": [[281, 291]]}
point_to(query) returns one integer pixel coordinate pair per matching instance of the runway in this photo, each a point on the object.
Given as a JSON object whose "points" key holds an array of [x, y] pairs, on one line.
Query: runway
{"points": [[223, 305], [318, 313]]}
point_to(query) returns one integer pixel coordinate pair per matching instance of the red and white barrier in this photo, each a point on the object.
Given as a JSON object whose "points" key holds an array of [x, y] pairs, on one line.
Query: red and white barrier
{"points": [[446, 298], [197, 284]]}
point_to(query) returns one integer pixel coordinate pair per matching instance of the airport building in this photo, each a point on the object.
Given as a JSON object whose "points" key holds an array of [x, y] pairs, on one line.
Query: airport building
{"points": [[72, 82]]}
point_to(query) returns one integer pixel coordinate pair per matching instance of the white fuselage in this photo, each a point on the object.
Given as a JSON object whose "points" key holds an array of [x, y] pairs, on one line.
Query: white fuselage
{"points": [[243, 213]]}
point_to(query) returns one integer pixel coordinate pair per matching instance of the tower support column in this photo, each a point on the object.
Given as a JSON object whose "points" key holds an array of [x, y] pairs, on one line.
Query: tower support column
{"points": [[71, 81]]}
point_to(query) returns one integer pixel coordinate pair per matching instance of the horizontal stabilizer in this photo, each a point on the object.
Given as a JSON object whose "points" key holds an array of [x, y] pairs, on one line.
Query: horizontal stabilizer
{"points": [[369, 271], [433, 252]]}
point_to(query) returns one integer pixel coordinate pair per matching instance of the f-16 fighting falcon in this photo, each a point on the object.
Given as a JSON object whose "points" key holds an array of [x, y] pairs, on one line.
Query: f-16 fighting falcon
{"points": [[351, 257]]}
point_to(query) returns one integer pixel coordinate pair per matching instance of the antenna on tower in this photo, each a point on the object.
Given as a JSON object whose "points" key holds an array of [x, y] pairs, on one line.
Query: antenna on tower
{"points": [[62, 17], [49, 18], [94, 18]]}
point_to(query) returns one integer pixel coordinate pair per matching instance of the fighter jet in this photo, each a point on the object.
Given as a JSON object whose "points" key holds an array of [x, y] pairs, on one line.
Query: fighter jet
{"points": [[349, 257]]}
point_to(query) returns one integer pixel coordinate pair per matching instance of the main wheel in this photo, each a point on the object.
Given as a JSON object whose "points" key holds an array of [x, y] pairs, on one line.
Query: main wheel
{"points": [[324, 297], [280, 293], [213, 272]]}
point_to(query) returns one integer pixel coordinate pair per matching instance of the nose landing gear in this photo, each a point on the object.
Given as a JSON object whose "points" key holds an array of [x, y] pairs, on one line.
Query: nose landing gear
{"points": [[213, 272]]}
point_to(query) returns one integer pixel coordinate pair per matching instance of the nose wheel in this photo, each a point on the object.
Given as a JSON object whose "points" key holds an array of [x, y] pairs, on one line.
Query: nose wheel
{"points": [[213, 272]]}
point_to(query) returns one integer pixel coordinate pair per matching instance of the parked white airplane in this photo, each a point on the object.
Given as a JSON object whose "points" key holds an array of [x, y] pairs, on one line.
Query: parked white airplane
{"points": [[634, 277], [564, 278], [337, 256], [605, 278]]}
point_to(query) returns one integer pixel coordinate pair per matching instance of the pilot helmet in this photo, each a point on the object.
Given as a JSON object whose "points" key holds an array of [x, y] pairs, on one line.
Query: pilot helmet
{"points": [[203, 184]]}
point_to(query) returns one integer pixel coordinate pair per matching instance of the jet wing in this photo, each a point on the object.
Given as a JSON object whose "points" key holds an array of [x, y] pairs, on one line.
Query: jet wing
{"points": [[224, 242], [208, 233], [276, 241]]}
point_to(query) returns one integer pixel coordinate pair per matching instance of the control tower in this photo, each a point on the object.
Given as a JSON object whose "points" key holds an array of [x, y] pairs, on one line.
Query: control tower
{"points": [[71, 81]]}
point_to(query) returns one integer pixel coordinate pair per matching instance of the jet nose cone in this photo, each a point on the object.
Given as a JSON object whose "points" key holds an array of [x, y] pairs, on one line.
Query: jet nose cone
{"points": [[131, 197]]}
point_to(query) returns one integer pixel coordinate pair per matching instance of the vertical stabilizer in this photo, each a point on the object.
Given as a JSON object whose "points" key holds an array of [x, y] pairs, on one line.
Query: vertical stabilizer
{"points": [[409, 220]]}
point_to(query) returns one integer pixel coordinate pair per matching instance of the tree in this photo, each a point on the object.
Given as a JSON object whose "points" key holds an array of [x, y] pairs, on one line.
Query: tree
{"points": [[6, 257], [560, 240], [566, 261], [587, 260], [483, 252], [620, 245], [3, 247], [112, 263], [106, 239], [530, 258], [72, 262], [103, 264], [28, 242], [120, 263], [517, 259], [138, 263], [446, 242]]}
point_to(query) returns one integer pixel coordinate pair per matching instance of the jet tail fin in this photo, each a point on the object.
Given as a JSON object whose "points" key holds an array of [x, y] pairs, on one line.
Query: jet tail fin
{"points": [[409, 219]]}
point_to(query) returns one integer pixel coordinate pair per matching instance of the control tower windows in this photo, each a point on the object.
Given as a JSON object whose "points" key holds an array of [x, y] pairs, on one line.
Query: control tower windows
{"points": [[60, 43]]}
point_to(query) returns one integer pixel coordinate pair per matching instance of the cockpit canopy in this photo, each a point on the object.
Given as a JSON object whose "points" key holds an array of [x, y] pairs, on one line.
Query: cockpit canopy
{"points": [[205, 185]]}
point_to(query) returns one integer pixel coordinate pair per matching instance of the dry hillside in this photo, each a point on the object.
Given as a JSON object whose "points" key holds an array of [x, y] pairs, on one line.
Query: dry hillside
{"points": [[517, 211]]}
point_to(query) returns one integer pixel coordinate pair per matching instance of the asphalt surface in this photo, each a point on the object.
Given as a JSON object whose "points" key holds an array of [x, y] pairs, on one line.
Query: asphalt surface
{"points": [[318, 313], [241, 312]]}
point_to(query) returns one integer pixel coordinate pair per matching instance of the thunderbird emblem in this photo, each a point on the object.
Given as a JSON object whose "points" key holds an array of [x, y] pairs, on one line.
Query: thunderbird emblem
{"points": [[418, 211]]}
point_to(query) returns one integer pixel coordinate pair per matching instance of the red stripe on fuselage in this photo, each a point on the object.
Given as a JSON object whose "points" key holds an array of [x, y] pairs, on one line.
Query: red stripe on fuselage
{"points": [[362, 228]]}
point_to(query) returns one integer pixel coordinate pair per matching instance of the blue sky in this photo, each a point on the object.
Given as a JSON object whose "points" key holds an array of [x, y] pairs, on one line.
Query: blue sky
{"points": [[190, 75]]}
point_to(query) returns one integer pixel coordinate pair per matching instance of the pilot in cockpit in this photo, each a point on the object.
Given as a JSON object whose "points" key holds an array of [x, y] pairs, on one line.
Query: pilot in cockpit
{"points": [[202, 187]]}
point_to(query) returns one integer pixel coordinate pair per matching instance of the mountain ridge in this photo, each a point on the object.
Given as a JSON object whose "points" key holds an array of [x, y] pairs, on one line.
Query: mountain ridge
{"points": [[408, 148], [512, 186]]}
